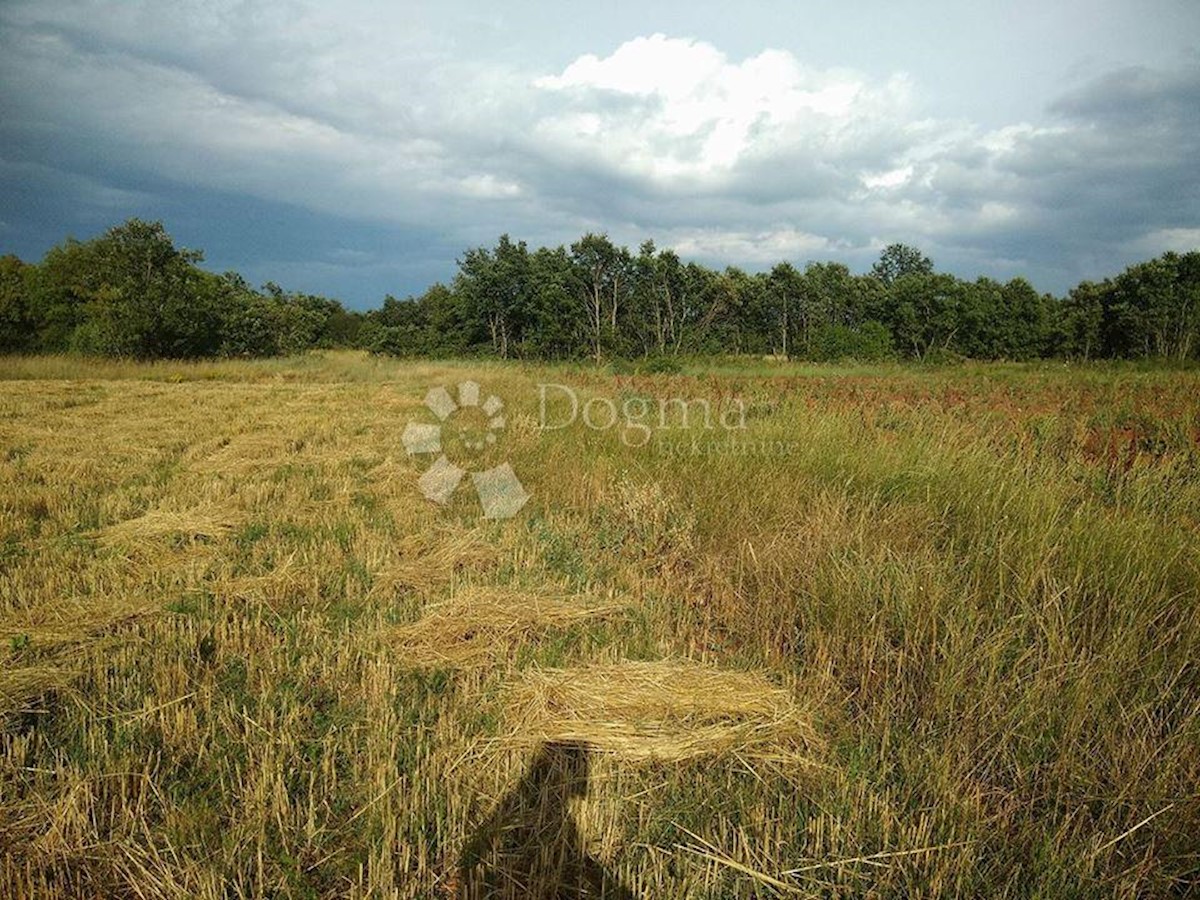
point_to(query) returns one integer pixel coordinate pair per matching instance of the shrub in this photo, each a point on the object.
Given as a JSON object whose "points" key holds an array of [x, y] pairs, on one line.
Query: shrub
{"points": [[870, 341]]}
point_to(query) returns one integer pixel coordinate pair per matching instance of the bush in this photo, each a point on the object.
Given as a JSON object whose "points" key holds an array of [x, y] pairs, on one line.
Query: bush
{"points": [[869, 342], [660, 365], [395, 340]]}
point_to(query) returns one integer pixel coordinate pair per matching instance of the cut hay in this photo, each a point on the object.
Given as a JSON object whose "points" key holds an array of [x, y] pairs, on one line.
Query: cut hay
{"points": [[426, 561], [669, 710], [20, 685], [482, 625], [196, 524], [57, 633], [286, 582], [247, 453], [71, 621]]}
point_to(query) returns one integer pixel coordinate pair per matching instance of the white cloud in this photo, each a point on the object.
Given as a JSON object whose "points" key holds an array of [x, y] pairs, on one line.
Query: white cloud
{"points": [[993, 212], [890, 179], [761, 247], [487, 187], [657, 64], [675, 109], [1180, 240]]}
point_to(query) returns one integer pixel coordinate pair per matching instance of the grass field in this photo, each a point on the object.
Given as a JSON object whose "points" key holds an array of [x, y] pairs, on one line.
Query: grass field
{"points": [[910, 632]]}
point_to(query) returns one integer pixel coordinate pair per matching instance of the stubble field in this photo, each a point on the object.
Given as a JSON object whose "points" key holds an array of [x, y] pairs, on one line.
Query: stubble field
{"points": [[909, 632]]}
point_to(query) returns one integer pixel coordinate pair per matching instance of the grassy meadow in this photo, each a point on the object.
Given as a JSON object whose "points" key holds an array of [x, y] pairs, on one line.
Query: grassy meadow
{"points": [[910, 632]]}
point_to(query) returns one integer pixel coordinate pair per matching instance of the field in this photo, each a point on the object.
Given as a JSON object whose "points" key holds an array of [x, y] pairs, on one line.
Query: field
{"points": [[909, 632]]}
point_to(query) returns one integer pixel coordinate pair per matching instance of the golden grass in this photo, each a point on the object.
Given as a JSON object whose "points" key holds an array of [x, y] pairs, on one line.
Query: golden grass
{"points": [[669, 710], [428, 560], [40, 645], [68, 621], [943, 644], [199, 523], [483, 626], [21, 684]]}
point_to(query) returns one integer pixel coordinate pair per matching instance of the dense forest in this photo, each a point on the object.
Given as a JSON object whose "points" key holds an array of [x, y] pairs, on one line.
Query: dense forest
{"points": [[132, 293]]}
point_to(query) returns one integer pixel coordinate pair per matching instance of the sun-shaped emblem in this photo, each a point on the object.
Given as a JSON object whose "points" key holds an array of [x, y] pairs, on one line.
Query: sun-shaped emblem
{"points": [[464, 433]]}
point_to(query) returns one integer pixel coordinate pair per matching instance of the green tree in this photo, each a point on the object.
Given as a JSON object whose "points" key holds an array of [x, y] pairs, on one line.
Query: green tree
{"points": [[248, 327], [495, 289], [1080, 321], [786, 307], [898, 260], [16, 325], [604, 282], [1153, 308], [149, 304], [59, 288], [925, 312], [555, 326], [1025, 317]]}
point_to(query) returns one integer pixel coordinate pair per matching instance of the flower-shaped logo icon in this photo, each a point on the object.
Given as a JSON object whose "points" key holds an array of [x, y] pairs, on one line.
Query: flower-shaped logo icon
{"points": [[465, 430]]}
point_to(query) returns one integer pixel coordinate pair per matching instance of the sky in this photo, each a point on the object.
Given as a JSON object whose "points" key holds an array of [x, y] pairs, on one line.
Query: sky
{"points": [[357, 149]]}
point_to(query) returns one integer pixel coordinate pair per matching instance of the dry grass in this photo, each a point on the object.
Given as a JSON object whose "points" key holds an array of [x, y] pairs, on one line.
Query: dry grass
{"points": [[425, 562], [670, 710], [21, 684], [201, 523], [39, 646], [943, 643], [483, 626]]}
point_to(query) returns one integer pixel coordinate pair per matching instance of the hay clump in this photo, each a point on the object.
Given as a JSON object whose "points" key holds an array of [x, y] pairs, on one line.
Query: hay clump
{"points": [[672, 710], [200, 523], [56, 634], [425, 561], [20, 685], [483, 624], [269, 445], [73, 620], [287, 582]]}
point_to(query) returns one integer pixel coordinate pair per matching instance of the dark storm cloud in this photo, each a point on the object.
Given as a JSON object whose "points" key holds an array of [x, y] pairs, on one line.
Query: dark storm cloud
{"points": [[1135, 96], [1118, 170]]}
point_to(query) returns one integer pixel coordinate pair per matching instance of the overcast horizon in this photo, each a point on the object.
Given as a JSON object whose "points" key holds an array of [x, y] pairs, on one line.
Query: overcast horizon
{"points": [[356, 152]]}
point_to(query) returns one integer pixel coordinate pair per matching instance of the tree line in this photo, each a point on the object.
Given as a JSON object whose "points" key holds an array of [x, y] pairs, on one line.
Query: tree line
{"points": [[131, 292]]}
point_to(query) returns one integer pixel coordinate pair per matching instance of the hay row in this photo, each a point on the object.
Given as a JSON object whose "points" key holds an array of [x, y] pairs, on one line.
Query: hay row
{"points": [[482, 625], [287, 579], [71, 621], [56, 633], [199, 522], [20, 685], [426, 561], [671, 710]]}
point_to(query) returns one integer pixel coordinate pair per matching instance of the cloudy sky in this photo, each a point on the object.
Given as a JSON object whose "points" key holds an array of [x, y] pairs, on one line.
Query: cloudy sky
{"points": [[356, 149]]}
